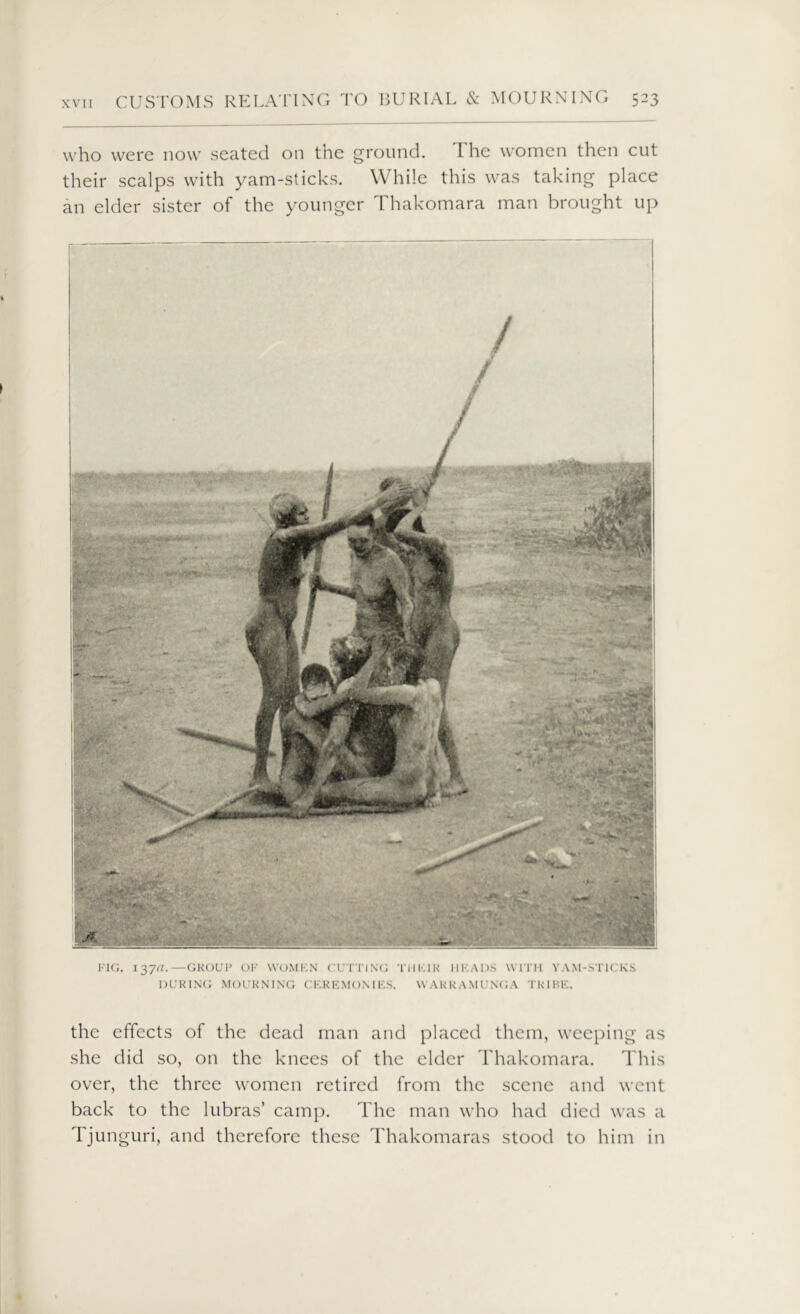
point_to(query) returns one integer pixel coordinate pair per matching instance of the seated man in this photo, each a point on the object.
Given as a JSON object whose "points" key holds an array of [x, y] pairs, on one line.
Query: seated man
{"points": [[416, 774], [306, 728], [312, 712]]}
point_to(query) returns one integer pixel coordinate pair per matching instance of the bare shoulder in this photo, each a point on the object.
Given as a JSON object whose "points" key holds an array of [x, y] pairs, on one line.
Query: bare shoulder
{"points": [[390, 557]]}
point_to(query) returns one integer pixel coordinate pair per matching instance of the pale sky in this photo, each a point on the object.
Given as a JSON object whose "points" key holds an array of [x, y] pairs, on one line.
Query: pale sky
{"points": [[286, 356]]}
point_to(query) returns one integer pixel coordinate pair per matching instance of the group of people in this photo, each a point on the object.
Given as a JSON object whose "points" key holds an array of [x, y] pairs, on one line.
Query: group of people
{"points": [[374, 727]]}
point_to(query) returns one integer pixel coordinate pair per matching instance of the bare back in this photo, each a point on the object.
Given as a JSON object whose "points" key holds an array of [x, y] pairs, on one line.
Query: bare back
{"points": [[432, 584], [414, 778], [416, 731]]}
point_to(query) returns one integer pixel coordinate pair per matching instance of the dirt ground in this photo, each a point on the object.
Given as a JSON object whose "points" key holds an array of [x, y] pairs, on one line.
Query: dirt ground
{"points": [[551, 698]]}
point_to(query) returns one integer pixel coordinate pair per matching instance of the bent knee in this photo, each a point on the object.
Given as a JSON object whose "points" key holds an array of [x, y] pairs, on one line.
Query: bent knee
{"points": [[292, 722], [411, 785], [259, 638], [291, 787]]}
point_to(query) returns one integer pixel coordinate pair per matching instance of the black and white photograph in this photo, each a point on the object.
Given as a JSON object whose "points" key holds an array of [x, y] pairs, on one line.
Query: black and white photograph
{"points": [[400, 506], [362, 563]]}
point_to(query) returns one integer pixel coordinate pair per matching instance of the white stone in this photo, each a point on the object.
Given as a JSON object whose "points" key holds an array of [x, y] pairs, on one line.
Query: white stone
{"points": [[558, 858]]}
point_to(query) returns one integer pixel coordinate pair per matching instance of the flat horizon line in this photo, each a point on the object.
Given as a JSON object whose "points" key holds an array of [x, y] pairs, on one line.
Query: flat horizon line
{"points": [[366, 469]]}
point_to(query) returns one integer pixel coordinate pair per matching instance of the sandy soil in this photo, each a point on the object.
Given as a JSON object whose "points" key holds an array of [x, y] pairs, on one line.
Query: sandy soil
{"points": [[551, 699]]}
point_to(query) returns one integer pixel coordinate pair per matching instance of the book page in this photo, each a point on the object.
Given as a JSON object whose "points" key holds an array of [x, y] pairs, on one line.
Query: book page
{"points": [[401, 910]]}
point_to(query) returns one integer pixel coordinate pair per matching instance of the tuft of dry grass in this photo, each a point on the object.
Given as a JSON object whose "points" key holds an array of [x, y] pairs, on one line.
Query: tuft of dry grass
{"points": [[622, 519]]}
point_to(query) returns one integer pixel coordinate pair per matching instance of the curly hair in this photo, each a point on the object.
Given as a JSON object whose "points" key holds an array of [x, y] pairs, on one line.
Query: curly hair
{"points": [[349, 653], [283, 507], [315, 673], [406, 654]]}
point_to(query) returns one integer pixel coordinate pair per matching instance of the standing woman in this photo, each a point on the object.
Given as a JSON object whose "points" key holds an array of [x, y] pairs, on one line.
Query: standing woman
{"points": [[269, 633], [433, 625]]}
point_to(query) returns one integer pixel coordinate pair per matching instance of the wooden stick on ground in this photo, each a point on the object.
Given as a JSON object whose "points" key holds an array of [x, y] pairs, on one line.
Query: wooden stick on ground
{"points": [[157, 798], [267, 809], [207, 812], [281, 810], [216, 739], [476, 844]]}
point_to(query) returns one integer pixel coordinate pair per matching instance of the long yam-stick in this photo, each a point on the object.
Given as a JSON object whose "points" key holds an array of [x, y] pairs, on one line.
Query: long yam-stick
{"points": [[270, 809], [157, 798], [207, 812], [468, 402], [317, 568], [216, 739], [476, 844]]}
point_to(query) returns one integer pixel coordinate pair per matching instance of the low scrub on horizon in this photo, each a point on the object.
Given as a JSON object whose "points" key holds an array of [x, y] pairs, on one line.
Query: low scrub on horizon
{"points": [[623, 518]]}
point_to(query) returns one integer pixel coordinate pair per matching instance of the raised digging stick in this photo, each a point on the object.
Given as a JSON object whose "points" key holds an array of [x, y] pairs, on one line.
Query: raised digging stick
{"points": [[207, 812], [317, 568], [436, 469], [481, 843]]}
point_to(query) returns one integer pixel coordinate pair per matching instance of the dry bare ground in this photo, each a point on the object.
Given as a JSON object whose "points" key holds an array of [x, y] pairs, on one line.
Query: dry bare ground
{"points": [[551, 698]]}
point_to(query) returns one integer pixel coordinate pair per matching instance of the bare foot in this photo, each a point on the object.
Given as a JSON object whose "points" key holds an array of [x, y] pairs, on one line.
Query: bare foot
{"points": [[301, 807], [266, 788], [455, 785]]}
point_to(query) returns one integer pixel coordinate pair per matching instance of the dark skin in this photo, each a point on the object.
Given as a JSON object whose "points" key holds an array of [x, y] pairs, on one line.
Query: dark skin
{"points": [[433, 627], [299, 758], [414, 777], [379, 582], [330, 743], [317, 729], [430, 565], [306, 729], [269, 633]]}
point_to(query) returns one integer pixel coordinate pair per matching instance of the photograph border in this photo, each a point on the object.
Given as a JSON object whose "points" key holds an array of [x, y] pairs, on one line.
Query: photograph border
{"points": [[448, 949]]}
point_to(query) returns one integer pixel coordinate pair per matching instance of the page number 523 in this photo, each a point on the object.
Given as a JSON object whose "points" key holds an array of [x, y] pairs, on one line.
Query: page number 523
{"points": [[644, 98]]}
